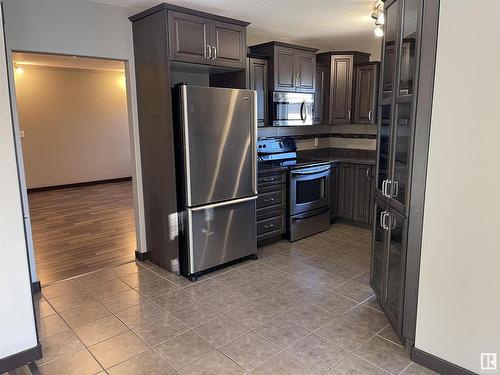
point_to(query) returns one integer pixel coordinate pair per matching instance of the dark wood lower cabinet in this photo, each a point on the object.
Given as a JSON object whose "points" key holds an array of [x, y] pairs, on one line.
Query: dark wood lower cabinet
{"points": [[271, 207], [345, 190], [334, 197], [257, 70], [362, 193], [351, 193]]}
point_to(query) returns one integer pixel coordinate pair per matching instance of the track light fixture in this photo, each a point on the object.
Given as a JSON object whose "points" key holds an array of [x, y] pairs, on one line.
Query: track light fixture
{"points": [[378, 16]]}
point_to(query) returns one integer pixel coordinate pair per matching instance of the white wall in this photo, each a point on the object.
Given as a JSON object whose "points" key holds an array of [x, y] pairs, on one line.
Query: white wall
{"points": [[17, 321], [459, 293], [84, 28], [75, 125]]}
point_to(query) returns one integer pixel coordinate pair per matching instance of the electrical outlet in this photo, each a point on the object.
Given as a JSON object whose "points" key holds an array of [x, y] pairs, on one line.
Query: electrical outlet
{"points": [[316, 142], [21, 133]]}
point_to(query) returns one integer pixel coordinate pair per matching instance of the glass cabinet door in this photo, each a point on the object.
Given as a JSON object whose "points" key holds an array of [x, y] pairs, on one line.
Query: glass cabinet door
{"points": [[395, 265], [378, 250], [404, 108], [401, 152], [411, 10], [388, 77]]}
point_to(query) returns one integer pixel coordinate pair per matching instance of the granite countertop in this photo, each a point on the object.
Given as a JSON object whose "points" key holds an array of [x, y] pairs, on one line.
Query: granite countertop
{"points": [[334, 155], [341, 155]]}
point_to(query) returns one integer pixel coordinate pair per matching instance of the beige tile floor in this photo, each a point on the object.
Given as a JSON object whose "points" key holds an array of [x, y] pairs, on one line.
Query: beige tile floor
{"points": [[302, 308]]}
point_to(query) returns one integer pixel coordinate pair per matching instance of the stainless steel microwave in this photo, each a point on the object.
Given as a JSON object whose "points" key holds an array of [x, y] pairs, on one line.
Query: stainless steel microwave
{"points": [[292, 109]]}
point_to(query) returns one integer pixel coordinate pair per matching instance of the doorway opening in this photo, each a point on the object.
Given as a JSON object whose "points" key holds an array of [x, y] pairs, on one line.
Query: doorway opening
{"points": [[76, 148]]}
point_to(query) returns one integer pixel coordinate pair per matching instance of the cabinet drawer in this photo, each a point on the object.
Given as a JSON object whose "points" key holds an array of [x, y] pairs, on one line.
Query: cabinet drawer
{"points": [[274, 225], [271, 198], [271, 179]]}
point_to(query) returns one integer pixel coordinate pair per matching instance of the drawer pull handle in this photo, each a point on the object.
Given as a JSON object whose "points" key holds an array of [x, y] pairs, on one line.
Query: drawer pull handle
{"points": [[268, 226], [268, 200], [269, 179]]}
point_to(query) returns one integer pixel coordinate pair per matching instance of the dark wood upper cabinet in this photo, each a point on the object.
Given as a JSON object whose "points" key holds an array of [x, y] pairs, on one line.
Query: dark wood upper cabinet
{"points": [[341, 83], [258, 81], [229, 44], [284, 69], [189, 37], [365, 93], [321, 95], [203, 40], [305, 70], [341, 89], [292, 68]]}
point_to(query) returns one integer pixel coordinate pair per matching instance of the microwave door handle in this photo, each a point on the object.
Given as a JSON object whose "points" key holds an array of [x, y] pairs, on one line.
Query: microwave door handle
{"points": [[302, 106]]}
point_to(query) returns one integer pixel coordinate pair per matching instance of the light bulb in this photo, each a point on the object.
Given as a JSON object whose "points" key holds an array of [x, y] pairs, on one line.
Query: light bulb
{"points": [[378, 32], [381, 19], [19, 70]]}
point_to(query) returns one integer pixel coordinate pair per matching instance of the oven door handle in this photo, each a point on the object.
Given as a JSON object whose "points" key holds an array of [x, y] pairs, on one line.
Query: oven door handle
{"points": [[310, 170], [310, 214]]}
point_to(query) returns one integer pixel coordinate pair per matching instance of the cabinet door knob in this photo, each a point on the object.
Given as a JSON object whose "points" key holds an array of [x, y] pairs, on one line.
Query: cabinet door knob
{"points": [[215, 52], [209, 52]]}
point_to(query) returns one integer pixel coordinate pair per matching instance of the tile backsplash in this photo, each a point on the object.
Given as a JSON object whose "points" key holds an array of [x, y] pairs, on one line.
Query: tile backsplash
{"points": [[311, 143], [353, 143], [336, 142]]}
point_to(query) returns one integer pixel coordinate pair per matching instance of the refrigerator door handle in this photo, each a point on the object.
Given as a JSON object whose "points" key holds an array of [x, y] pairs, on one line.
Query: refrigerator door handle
{"points": [[185, 130], [225, 203], [254, 142]]}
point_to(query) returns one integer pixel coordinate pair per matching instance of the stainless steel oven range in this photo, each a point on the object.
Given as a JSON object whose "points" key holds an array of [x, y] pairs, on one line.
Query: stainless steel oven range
{"points": [[308, 208]]}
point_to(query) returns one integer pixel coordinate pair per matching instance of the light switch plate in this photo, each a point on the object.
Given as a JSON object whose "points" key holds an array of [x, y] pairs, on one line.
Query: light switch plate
{"points": [[316, 142], [21, 133]]}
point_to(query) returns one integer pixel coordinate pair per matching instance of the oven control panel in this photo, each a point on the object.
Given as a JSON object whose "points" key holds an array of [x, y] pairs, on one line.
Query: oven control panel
{"points": [[276, 145]]}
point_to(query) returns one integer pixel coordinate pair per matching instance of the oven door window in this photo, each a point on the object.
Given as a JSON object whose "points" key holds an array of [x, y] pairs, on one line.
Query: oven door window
{"points": [[310, 190]]}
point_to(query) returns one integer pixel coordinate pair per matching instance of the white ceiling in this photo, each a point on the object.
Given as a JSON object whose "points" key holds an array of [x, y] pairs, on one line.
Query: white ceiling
{"points": [[324, 24], [64, 61]]}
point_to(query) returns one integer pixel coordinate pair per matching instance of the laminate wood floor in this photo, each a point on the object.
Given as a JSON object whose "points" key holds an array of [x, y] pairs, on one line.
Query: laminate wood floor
{"points": [[78, 230]]}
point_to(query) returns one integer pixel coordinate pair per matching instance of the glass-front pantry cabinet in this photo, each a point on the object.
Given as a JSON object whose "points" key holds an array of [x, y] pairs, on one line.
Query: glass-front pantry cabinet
{"points": [[400, 163]]}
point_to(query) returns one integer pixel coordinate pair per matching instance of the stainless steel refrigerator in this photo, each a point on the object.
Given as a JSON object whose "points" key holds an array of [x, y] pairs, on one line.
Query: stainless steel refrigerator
{"points": [[216, 132]]}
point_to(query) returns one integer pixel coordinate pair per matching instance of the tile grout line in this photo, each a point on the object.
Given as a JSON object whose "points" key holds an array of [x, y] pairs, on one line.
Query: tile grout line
{"points": [[238, 269]]}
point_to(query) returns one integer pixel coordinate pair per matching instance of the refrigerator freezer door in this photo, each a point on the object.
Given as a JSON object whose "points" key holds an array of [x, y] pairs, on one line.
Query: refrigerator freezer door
{"points": [[219, 133], [220, 233]]}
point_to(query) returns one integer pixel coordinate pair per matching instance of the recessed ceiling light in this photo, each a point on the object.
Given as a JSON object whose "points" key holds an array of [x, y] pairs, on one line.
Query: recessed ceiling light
{"points": [[378, 32]]}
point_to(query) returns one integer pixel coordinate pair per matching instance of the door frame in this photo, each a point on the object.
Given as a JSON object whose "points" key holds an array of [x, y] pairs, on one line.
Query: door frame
{"points": [[140, 228]]}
